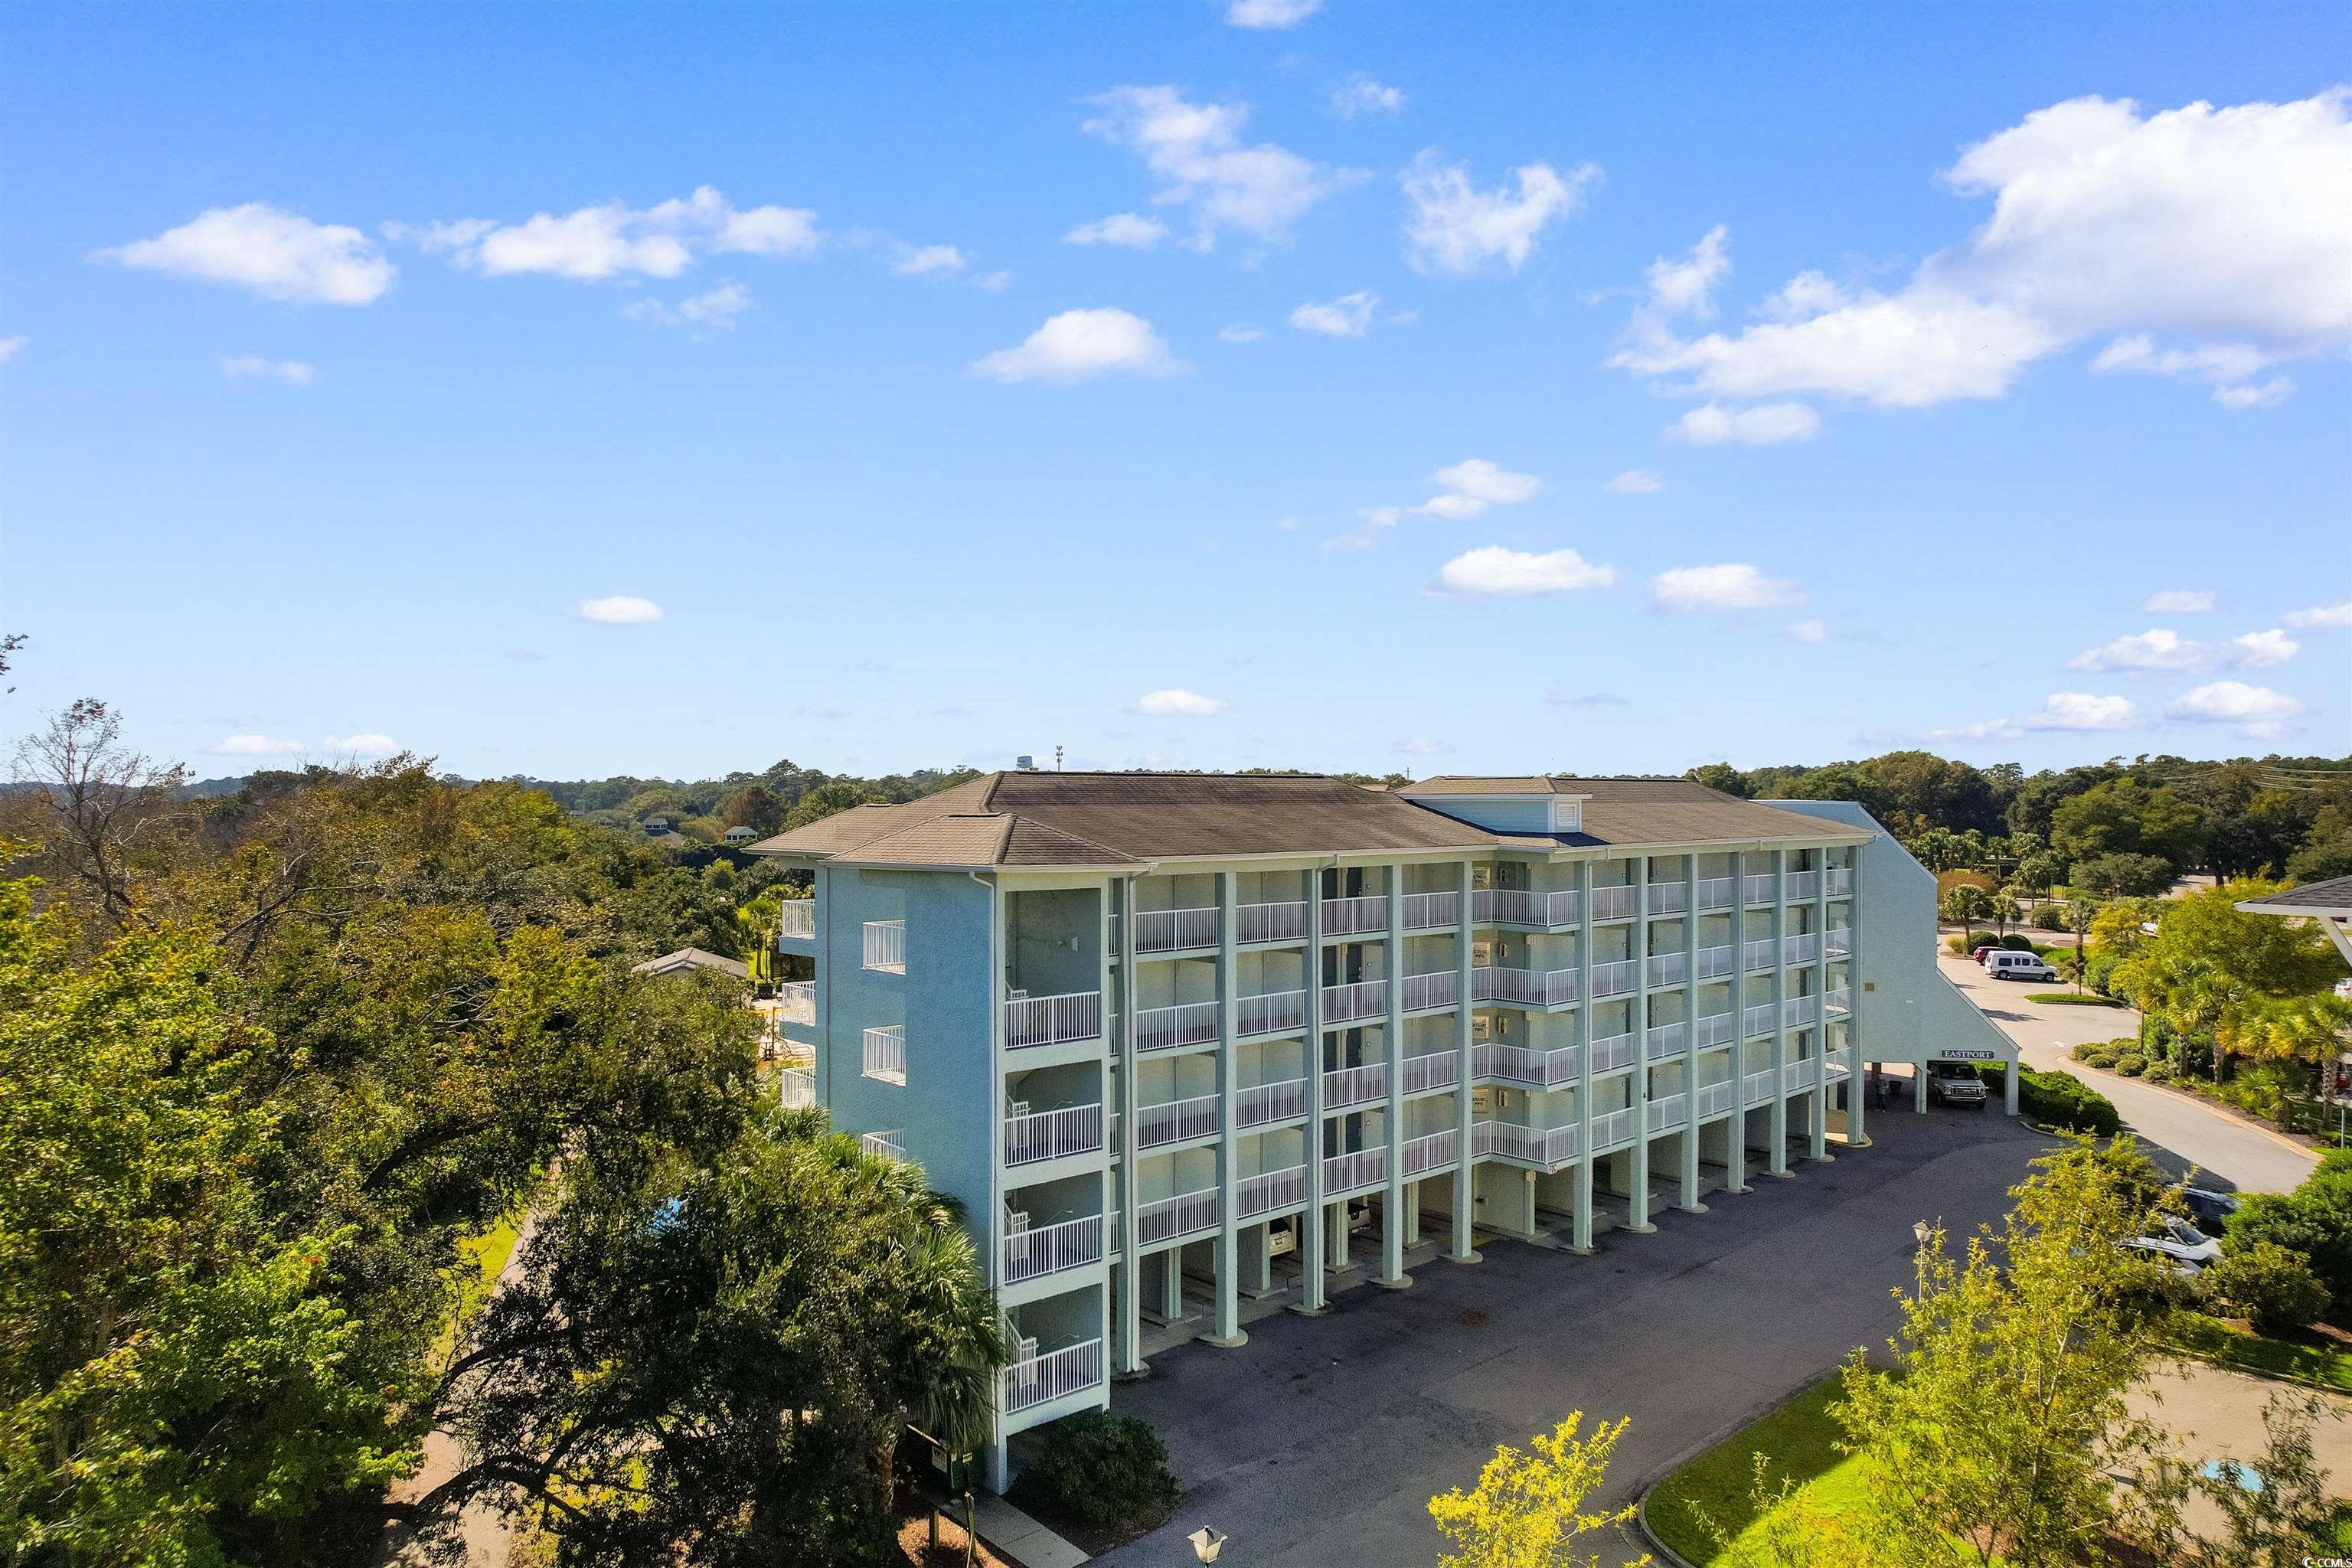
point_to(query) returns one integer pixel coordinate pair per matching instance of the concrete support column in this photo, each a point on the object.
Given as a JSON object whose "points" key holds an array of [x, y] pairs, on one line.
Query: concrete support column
{"points": [[1313, 1246], [1735, 1151], [1339, 1227], [1777, 1162], [1393, 1198], [1580, 1230], [1819, 1147], [1228, 1334], [1464, 1172], [1128, 1280], [1638, 1207], [1171, 1283], [1919, 1086], [1257, 1258], [1857, 1097], [1690, 1203], [1581, 1226], [2009, 1088]]}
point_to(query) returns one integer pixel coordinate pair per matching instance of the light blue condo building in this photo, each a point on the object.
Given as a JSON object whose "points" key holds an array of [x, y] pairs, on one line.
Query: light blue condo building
{"points": [[1187, 1044]]}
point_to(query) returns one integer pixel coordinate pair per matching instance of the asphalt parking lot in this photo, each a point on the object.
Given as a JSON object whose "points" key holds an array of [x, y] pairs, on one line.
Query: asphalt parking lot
{"points": [[1321, 1440]]}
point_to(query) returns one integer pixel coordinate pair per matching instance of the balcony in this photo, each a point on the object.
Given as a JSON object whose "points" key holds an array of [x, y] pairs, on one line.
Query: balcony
{"points": [[797, 923], [1169, 931], [1549, 1147], [1718, 1029], [1521, 907], [885, 946], [1345, 1173], [1365, 1085], [1666, 1040], [1037, 1379], [1666, 898], [1268, 1191], [1186, 1024], [1841, 1002], [1427, 911], [1613, 903], [1438, 1069], [1420, 993], [1664, 1112], [886, 1054], [1051, 1248], [1175, 1120], [796, 1087], [1760, 1086], [1718, 893], [1714, 1099], [1667, 969], [885, 1146], [1355, 917], [1798, 1076], [1803, 948], [1427, 1154], [1615, 978], [1052, 1020], [1348, 1004], [1612, 1054], [1800, 1011], [1715, 963], [1841, 942], [1268, 1102], [796, 1001], [1034, 1135], [1612, 1130], [1271, 1013], [1764, 1019], [1168, 1219], [1518, 1064], [1270, 922], [1523, 987], [1839, 1062], [1758, 889], [1759, 955], [1804, 886], [1840, 881]]}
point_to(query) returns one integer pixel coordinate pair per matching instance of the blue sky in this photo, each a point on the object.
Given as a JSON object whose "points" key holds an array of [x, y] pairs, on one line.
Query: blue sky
{"points": [[1443, 388]]}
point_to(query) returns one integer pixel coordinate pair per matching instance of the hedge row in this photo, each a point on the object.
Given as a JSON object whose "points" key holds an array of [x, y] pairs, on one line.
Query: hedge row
{"points": [[2056, 1100]]}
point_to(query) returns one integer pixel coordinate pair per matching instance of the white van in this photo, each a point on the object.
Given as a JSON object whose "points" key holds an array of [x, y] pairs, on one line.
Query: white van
{"points": [[2008, 963]]}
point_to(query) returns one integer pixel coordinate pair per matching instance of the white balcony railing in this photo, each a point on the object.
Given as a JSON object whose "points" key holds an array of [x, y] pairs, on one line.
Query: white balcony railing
{"points": [[1798, 1011], [1764, 1019], [1268, 1191], [1758, 1086], [1523, 987], [1613, 903], [1669, 968], [1353, 917], [1761, 953], [796, 1001], [1270, 1013], [1166, 1218], [1265, 1102], [1345, 1173], [1037, 1379], [1757, 890], [1438, 988], [1166, 930], [1666, 898], [1437, 1069], [1612, 1129], [1049, 1134], [1804, 886], [885, 1053], [1523, 907], [796, 1087], [1270, 922], [797, 921], [1841, 942], [885, 1146], [1803, 948], [1186, 1024], [1615, 978], [1518, 1063], [1665, 1040], [1839, 1062], [1715, 963], [1798, 1075], [1718, 1029], [1172, 1121], [1052, 1020], [1839, 880], [1718, 892], [1664, 1112], [1426, 1153], [885, 946], [1346, 1003], [1051, 1248], [1841, 1001], [1425, 911], [1343, 1087], [1549, 1147], [1714, 1099], [1613, 1052]]}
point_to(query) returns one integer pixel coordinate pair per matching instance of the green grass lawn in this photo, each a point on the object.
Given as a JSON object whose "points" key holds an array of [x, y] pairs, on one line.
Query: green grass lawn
{"points": [[2312, 1360], [1799, 1437], [2069, 999]]}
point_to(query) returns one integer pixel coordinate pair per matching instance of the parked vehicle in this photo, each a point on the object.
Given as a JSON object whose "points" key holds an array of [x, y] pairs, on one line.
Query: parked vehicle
{"points": [[2167, 1254], [2195, 1245], [1982, 948], [2008, 963], [2207, 1207], [1955, 1083]]}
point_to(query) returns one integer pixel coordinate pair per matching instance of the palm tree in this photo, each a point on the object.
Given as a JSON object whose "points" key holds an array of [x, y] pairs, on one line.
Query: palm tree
{"points": [[2005, 913], [1964, 906]]}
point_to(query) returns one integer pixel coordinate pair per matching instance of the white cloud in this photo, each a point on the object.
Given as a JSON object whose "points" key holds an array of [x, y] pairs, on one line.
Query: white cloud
{"points": [[1763, 425], [995, 282], [2257, 710], [1196, 151], [11, 347], [1174, 702], [1416, 746], [2255, 395], [257, 746], [612, 239], [1811, 630], [1132, 230], [1288, 524], [1636, 482], [2161, 649], [1374, 521], [620, 610], [712, 311], [914, 260], [1732, 586], [1472, 485], [2072, 711], [2320, 617], [253, 367], [367, 744], [1079, 345], [2228, 229], [1345, 317], [1688, 286], [2178, 602], [1363, 95], [278, 255], [1453, 227], [1277, 14], [1498, 571], [1239, 333]]}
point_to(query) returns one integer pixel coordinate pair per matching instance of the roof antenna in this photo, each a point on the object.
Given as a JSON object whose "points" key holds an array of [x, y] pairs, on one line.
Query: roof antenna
{"points": [[1057, 759]]}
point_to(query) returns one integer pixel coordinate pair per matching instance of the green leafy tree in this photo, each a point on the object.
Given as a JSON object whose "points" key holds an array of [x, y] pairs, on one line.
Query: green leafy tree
{"points": [[1528, 1509], [2268, 1285], [754, 806], [1720, 777], [2212, 970], [1966, 906], [2123, 876], [825, 800], [2125, 816]]}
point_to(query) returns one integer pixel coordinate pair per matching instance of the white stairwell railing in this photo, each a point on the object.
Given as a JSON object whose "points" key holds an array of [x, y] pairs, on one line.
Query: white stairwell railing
{"points": [[1039, 1136], [1049, 1250], [1052, 1020], [1038, 1379]]}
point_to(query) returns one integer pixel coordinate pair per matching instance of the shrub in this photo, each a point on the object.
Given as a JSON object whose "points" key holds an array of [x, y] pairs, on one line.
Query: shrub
{"points": [[2159, 1072], [2270, 1285], [2082, 1052], [2097, 1056], [1960, 946], [2131, 1064], [2018, 941], [2048, 917], [2058, 1099], [2316, 1220], [1106, 1470]]}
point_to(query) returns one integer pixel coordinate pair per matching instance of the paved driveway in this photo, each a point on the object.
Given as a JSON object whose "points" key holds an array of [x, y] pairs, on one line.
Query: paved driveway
{"points": [[1320, 1441], [2183, 1132]]}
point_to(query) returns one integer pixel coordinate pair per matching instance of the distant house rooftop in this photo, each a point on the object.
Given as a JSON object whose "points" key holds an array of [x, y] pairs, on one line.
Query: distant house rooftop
{"points": [[692, 958]]}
